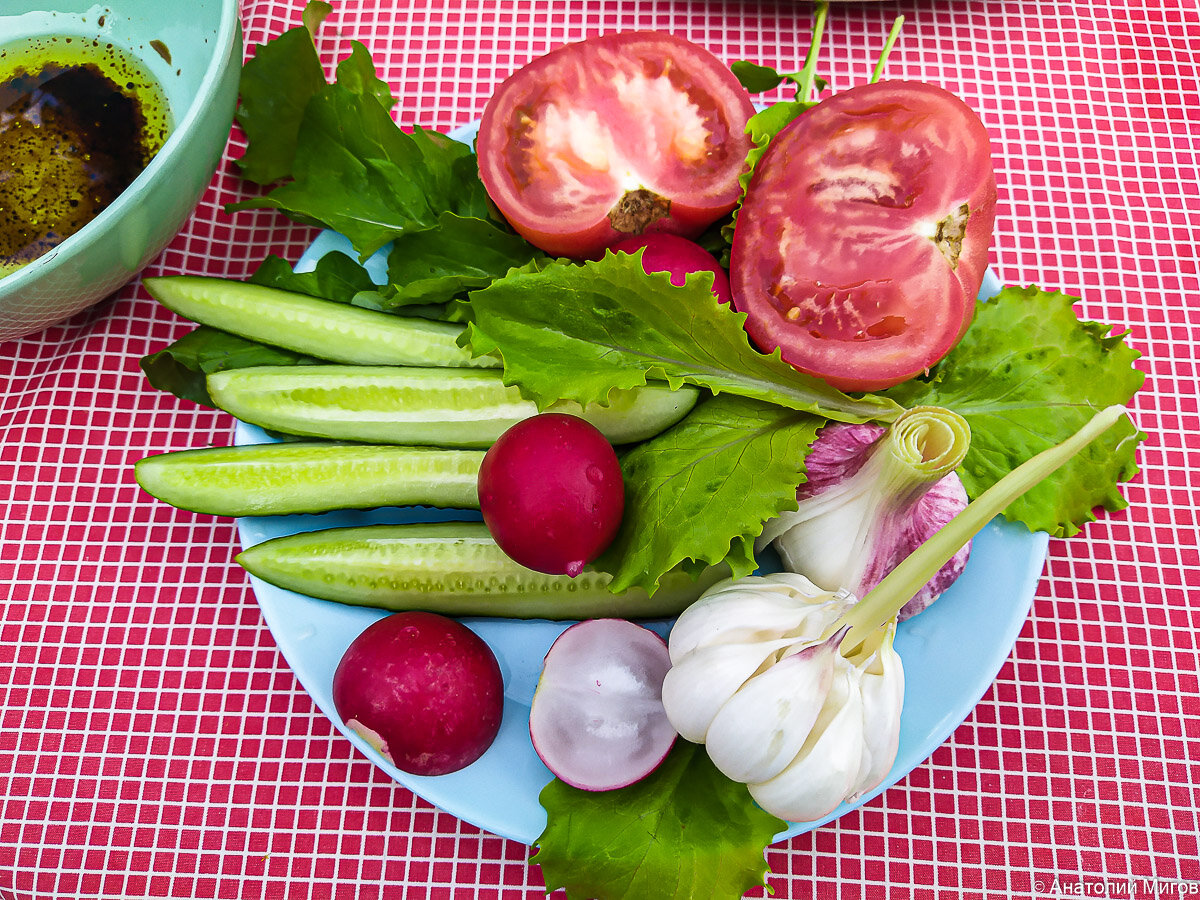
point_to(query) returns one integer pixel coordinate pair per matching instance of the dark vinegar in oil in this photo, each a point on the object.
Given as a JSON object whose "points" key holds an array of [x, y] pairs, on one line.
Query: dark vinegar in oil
{"points": [[79, 121]]}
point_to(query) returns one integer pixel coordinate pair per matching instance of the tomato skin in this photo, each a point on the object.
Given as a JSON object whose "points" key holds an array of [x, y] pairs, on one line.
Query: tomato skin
{"points": [[645, 122], [836, 257]]}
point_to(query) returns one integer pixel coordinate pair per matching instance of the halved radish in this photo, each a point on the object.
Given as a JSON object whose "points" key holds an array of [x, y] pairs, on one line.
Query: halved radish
{"points": [[597, 719]]}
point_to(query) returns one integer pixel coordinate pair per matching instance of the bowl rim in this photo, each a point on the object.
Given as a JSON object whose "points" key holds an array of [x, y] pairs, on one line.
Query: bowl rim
{"points": [[229, 34]]}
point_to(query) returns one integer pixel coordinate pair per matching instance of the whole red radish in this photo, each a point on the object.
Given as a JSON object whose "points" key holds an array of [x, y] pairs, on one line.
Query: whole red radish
{"points": [[679, 257], [551, 493], [422, 689]]}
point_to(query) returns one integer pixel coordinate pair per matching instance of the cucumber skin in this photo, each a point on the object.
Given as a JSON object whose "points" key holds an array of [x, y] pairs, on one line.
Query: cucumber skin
{"points": [[288, 478], [420, 405], [322, 328], [452, 568]]}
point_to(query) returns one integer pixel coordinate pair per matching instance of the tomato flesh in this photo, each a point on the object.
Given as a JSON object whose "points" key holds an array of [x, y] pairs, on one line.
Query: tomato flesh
{"points": [[614, 136], [864, 234]]}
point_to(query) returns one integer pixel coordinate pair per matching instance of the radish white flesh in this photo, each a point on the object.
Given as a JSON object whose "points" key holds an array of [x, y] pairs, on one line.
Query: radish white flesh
{"points": [[597, 719]]}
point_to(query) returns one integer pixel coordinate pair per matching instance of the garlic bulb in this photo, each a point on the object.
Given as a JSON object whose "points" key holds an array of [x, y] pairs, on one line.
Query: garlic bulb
{"points": [[797, 691], [757, 677], [853, 743]]}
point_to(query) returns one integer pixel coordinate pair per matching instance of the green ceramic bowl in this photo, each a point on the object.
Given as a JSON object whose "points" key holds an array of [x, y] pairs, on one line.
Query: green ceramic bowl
{"points": [[194, 51]]}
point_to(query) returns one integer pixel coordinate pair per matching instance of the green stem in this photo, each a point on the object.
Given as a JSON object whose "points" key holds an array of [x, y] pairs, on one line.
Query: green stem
{"points": [[809, 71], [882, 603], [887, 49]]}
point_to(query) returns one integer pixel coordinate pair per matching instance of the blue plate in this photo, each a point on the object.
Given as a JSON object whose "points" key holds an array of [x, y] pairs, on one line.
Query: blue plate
{"points": [[951, 652]]}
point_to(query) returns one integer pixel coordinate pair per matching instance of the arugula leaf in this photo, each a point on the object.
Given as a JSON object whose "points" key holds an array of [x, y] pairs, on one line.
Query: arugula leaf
{"points": [[460, 254], [683, 831], [344, 162], [449, 174], [276, 85], [714, 239], [336, 277], [1027, 375], [315, 14], [181, 367], [354, 173], [576, 332], [887, 49], [357, 73], [758, 79], [701, 491], [768, 122]]}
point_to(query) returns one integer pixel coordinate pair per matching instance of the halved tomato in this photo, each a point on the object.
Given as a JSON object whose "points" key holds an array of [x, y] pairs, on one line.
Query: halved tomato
{"points": [[864, 234], [614, 136]]}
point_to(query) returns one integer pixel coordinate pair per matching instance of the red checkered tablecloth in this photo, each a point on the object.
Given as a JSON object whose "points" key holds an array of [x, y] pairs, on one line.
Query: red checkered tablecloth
{"points": [[154, 742]]}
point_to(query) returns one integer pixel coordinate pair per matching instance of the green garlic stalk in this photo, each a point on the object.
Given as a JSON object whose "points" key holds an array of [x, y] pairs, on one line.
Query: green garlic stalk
{"points": [[882, 603]]}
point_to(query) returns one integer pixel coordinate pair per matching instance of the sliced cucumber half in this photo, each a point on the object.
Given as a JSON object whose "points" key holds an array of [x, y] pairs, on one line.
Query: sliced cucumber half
{"points": [[285, 478], [337, 332], [422, 406], [454, 568]]}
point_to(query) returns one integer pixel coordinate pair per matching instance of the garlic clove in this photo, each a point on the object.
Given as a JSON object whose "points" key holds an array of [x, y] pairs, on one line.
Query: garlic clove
{"points": [[763, 726], [697, 686], [883, 700], [757, 608], [823, 774]]}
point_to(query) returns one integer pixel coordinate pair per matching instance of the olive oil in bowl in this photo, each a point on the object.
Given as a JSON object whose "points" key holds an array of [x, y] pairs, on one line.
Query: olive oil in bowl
{"points": [[79, 120]]}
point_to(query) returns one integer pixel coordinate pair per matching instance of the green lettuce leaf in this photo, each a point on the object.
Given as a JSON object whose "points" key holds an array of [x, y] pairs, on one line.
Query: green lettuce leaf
{"points": [[700, 492], [684, 831], [1028, 374], [336, 277], [576, 332], [181, 367]]}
